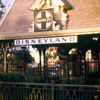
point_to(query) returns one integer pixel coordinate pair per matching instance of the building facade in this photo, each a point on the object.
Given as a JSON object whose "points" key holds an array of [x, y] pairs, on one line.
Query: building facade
{"points": [[66, 34]]}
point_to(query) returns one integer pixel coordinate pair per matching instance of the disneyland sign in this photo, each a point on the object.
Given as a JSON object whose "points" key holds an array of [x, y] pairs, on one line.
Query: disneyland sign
{"points": [[54, 40]]}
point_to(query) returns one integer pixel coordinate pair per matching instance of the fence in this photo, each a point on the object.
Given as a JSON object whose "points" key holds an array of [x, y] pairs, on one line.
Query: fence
{"points": [[87, 73], [32, 91]]}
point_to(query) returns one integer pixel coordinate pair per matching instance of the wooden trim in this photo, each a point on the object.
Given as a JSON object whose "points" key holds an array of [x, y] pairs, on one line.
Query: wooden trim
{"points": [[51, 33]]}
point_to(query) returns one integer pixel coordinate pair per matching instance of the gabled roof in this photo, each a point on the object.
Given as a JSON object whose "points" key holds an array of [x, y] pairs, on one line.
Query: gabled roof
{"points": [[84, 18]]}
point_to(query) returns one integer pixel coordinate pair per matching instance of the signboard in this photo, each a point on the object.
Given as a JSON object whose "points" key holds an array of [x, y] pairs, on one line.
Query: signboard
{"points": [[43, 20], [54, 40]]}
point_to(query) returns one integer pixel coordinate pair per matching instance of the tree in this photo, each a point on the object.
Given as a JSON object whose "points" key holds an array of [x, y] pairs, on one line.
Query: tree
{"points": [[1, 8], [23, 55], [1, 4]]}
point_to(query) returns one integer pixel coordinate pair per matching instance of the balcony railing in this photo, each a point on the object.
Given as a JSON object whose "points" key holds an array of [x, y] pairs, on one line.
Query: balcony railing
{"points": [[33, 91]]}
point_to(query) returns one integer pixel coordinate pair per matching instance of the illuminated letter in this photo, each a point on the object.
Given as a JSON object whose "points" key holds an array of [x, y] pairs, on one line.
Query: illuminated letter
{"points": [[57, 40], [39, 41], [72, 38], [33, 41], [45, 40], [51, 40], [17, 42], [64, 39], [26, 41]]}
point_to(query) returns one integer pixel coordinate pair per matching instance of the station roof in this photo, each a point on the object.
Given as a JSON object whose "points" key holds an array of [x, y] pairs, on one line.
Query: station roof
{"points": [[84, 17]]}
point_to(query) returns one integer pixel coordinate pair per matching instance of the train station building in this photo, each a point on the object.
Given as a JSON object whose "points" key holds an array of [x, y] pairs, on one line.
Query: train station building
{"points": [[64, 36]]}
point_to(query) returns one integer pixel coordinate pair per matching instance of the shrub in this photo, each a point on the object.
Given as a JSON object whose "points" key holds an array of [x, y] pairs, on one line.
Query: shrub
{"points": [[73, 80], [35, 79], [12, 77], [65, 80], [98, 81]]}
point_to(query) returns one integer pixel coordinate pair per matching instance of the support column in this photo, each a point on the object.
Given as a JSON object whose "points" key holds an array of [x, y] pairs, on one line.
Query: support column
{"points": [[42, 50], [5, 60], [45, 66], [99, 65], [40, 64], [5, 47]]}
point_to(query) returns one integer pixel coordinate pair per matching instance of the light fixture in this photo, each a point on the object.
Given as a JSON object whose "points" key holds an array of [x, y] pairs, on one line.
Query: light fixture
{"points": [[95, 38]]}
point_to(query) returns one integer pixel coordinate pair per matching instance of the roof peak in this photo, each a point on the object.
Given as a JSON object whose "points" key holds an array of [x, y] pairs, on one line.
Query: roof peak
{"points": [[41, 4]]}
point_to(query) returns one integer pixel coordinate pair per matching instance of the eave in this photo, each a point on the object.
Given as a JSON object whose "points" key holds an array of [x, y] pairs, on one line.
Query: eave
{"points": [[85, 31]]}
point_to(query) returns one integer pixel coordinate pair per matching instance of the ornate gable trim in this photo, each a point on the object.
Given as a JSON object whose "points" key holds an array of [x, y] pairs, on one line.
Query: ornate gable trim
{"points": [[39, 4]]}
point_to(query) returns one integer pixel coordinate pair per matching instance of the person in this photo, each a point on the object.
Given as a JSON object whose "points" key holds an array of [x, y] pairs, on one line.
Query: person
{"points": [[23, 64]]}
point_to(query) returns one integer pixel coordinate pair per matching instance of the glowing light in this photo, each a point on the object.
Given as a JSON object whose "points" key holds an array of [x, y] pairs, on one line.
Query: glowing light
{"points": [[48, 2], [95, 38], [58, 2], [63, 16], [34, 53], [88, 55], [73, 51]]}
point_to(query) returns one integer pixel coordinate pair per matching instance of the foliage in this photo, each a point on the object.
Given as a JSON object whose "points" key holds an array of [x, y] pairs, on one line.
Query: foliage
{"points": [[23, 55], [98, 81], [12, 77], [1, 12], [1, 6], [11, 59], [73, 80], [35, 79], [65, 80], [17, 77]]}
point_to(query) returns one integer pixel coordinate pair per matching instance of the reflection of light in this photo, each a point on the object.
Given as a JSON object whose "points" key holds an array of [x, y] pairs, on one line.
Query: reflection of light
{"points": [[52, 53], [88, 55], [73, 51], [56, 69], [53, 73], [58, 2], [62, 71], [48, 2], [63, 16], [95, 38], [70, 72], [34, 53], [8, 54]]}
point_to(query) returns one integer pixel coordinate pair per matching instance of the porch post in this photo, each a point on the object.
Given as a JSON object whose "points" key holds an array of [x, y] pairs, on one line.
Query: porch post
{"points": [[99, 65], [40, 61], [45, 67], [5, 61], [5, 47]]}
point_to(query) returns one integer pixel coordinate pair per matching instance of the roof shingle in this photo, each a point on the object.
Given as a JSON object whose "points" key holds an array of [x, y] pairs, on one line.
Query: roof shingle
{"points": [[85, 14]]}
